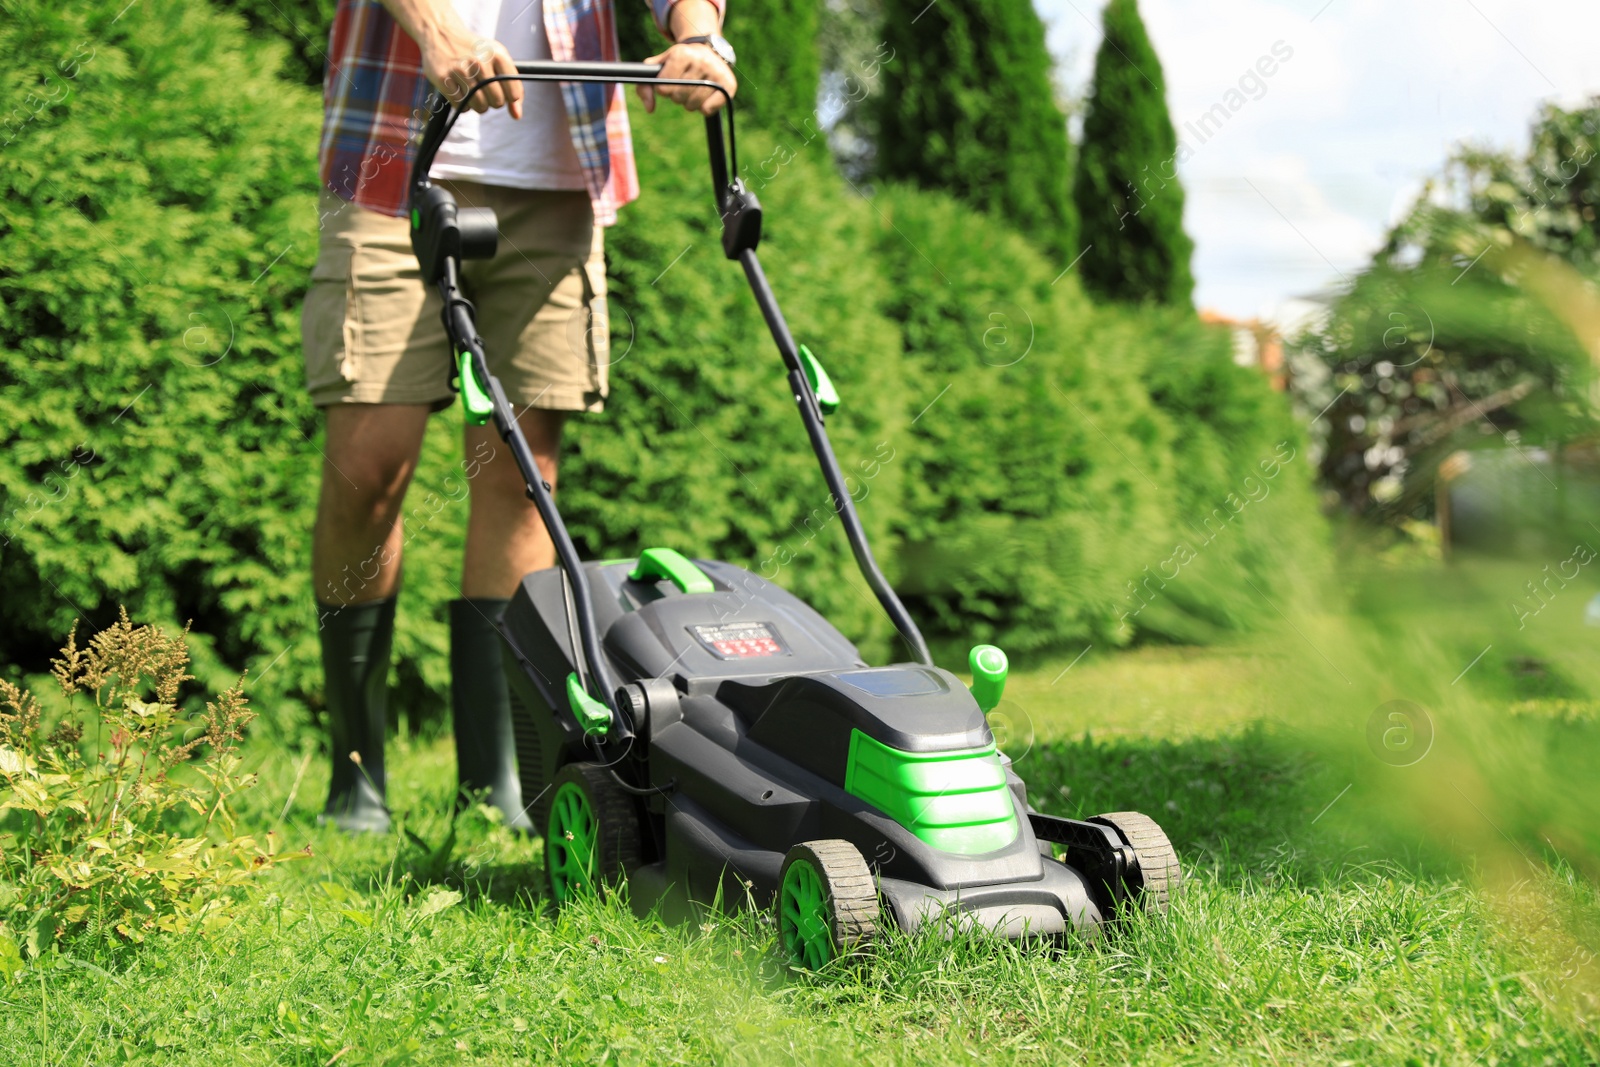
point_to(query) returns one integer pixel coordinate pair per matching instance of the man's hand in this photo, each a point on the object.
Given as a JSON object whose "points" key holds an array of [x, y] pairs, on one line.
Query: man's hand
{"points": [[691, 18], [690, 61], [454, 59]]}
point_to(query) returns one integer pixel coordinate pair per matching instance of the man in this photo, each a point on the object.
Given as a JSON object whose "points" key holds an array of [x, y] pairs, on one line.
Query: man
{"points": [[555, 162]]}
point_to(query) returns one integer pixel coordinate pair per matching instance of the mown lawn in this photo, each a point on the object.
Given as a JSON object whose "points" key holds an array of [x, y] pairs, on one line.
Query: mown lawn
{"points": [[1330, 916]]}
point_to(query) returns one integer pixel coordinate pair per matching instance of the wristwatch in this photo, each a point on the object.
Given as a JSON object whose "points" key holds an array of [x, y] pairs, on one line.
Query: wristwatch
{"points": [[717, 43]]}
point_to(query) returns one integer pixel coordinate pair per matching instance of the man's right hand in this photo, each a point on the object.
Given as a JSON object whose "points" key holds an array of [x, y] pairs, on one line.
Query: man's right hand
{"points": [[454, 59]]}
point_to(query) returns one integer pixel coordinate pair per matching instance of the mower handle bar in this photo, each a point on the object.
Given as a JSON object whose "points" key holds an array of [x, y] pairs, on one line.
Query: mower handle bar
{"points": [[445, 114], [736, 207]]}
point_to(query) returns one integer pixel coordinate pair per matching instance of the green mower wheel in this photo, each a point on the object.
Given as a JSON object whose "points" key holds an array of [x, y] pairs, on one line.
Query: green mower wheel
{"points": [[592, 835], [827, 903]]}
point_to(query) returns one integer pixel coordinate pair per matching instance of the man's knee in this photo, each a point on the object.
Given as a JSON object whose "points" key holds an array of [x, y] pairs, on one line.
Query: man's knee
{"points": [[371, 453], [494, 474]]}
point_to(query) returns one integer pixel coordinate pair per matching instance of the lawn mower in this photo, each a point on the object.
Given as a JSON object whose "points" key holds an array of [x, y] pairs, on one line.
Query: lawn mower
{"points": [[692, 727]]}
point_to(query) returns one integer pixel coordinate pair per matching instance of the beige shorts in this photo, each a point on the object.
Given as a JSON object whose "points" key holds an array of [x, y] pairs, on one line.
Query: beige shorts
{"points": [[372, 332]]}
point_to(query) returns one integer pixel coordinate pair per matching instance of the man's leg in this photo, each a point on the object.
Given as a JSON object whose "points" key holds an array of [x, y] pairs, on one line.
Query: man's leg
{"points": [[370, 455], [505, 536], [505, 540]]}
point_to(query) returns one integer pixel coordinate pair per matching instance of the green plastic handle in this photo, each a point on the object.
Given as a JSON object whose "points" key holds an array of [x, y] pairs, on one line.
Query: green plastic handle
{"points": [[475, 401], [658, 563], [989, 668], [593, 716], [821, 384]]}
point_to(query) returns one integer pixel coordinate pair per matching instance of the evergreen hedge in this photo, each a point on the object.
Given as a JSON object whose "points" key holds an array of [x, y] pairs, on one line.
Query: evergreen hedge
{"points": [[155, 236], [1042, 492], [157, 227]]}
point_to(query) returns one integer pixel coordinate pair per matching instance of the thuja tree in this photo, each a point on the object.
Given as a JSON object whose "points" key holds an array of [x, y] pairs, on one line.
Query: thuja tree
{"points": [[968, 106], [1126, 189]]}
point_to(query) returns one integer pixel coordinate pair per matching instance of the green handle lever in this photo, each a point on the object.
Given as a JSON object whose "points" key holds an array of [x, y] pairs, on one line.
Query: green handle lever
{"points": [[821, 384], [989, 669], [593, 716], [476, 404]]}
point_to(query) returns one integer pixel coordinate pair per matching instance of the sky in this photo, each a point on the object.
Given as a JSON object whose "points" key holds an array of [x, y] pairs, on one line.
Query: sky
{"points": [[1295, 191]]}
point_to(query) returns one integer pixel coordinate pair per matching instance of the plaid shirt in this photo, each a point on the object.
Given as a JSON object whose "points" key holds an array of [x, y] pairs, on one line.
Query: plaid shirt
{"points": [[375, 104]]}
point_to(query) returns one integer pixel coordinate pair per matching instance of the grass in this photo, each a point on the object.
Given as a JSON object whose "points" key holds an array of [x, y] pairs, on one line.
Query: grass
{"points": [[1338, 910]]}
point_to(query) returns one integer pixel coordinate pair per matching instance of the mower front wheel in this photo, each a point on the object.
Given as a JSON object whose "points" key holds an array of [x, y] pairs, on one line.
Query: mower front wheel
{"points": [[1158, 860], [827, 903], [592, 835]]}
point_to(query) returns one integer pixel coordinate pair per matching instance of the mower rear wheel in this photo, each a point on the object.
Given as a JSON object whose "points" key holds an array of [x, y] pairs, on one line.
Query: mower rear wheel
{"points": [[827, 903], [592, 835], [1158, 860]]}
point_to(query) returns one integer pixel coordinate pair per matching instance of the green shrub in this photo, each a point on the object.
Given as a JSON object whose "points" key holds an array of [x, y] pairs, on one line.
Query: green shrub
{"points": [[156, 446], [1021, 515], [132, 836], [1248, 538], [779, 61]]}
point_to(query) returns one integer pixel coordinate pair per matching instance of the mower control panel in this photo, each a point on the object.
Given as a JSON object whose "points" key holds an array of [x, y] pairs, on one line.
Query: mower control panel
{"points": [[740, 640]]}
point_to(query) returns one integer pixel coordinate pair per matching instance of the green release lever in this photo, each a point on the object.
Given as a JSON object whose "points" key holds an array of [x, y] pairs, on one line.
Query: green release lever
{"points": [[821, 384], [658, 563], [475, 401], [593, 716], [989, 668]]}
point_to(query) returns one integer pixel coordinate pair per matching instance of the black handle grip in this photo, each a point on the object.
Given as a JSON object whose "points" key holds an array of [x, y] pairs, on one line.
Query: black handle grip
{"points": [[611, 71]]}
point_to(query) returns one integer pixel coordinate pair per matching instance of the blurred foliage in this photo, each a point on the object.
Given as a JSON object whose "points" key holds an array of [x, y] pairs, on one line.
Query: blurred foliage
{"points": [[304, 24], [1476, 323], [779, 63], [850, 40], [968, 107], [157, 447], [1550, 195], [1126, 189]]}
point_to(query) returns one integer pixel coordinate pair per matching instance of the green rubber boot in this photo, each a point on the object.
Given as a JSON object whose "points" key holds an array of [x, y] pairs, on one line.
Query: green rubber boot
{"points": [[355, 663], [485, 748]]}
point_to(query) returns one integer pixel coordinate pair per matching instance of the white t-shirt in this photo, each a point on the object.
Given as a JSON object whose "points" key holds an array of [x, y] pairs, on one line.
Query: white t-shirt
{"points": [[533, 152]]}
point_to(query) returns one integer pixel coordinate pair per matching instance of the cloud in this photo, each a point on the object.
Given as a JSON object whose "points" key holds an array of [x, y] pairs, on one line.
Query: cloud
{"points": [[1373, 101]]}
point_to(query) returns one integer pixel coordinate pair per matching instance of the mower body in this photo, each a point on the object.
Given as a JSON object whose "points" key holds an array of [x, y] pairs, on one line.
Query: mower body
{"points": [[758, 726]]}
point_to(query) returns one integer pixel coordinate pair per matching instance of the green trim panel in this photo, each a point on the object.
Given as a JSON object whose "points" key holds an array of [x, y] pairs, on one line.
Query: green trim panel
{"points": [[658, 563], [954, 801]]}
